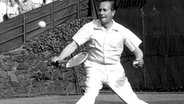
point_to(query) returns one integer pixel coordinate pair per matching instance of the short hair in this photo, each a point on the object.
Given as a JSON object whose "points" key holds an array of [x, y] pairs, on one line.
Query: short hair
{"points": [[113, 4]]}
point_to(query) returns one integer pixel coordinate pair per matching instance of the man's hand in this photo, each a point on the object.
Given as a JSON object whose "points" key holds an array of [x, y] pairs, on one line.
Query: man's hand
{"points": [[55, 60], [138, 63]]}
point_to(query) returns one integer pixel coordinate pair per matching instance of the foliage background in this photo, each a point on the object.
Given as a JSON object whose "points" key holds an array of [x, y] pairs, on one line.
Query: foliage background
{"points": [[28, 71]]}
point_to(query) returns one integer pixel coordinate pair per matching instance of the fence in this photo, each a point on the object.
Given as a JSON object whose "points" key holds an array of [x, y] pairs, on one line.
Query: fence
{"points": [[15, 32], [159, 24]]}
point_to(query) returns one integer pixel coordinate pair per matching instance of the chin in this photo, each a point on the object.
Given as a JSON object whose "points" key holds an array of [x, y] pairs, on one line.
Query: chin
{"points": [[102, 21]]}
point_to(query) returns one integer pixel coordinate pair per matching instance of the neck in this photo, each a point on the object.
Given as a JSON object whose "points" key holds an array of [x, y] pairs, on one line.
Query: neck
{"points": [[107, 25]]}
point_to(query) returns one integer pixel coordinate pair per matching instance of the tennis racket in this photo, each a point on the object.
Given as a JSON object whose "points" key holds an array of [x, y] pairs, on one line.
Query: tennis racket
{"points": [[76, 60]]}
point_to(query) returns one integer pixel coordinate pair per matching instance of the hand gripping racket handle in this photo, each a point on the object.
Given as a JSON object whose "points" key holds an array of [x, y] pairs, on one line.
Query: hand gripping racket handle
{"points": [[62, 63], [74, 61], [59, 63]]}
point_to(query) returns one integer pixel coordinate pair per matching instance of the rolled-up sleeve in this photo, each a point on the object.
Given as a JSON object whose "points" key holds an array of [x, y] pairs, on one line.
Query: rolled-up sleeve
{"points": [[131, 40], [82, 35]]}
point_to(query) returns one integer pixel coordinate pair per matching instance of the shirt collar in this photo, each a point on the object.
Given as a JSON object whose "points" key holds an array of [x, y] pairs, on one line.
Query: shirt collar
{"points": [[98, 26]]}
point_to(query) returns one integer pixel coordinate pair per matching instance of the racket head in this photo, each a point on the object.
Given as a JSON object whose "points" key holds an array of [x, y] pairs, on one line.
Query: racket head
{"points": [[77, 59]]}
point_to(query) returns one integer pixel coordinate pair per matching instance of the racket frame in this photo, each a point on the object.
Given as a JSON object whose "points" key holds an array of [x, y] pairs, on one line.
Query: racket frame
{"points": [[73, 58]]}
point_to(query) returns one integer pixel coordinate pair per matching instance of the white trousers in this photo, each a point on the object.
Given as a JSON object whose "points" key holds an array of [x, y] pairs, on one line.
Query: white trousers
{"points": [[114, 77]]}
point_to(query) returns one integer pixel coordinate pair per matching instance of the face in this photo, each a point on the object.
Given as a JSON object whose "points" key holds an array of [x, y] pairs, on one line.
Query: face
{"points": [[12, 2], [105, 12]]}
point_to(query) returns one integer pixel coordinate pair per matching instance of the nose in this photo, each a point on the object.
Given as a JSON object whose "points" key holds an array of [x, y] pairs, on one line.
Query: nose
{"points": [[101, 12]]}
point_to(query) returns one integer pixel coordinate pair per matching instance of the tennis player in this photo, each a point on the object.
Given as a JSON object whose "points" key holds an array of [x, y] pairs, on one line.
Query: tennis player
{"points": [[106, 40]]}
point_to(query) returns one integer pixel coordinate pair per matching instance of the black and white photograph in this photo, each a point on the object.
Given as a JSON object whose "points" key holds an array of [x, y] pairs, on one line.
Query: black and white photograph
{"points": [[91, 52]]}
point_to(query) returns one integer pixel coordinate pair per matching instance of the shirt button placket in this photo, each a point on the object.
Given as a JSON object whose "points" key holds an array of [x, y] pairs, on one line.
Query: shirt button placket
{"points": [[104, 48]]}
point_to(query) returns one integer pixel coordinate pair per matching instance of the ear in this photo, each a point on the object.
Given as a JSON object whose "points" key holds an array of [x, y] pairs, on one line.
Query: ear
{"points": [[113, 12]]}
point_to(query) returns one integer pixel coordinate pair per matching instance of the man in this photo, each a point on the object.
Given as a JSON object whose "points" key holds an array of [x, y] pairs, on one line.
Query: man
{"points": [[12, 9], [2, 10], [105, 39]]}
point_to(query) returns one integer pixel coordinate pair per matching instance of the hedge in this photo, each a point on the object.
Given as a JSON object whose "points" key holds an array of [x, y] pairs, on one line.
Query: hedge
{"points": [[28, 71]]}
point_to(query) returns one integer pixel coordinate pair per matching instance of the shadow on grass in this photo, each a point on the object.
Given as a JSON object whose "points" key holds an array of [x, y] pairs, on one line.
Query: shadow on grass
{"points": [[107, 102], [167, 102]]}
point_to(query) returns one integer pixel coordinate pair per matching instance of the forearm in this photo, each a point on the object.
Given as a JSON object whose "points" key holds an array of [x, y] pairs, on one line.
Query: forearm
{"points": [[138, 62], [138, 54], [68, 50]]}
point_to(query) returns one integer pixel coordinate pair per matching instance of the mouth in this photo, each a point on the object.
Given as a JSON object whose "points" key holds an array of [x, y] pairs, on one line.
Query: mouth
{"points": [[102, 16]]}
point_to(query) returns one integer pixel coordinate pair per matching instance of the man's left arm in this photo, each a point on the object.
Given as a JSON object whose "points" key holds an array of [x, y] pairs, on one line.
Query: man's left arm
{"points": [[138, 62]]}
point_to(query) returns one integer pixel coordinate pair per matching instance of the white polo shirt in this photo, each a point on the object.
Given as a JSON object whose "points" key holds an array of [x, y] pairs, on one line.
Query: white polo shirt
{"points": [[105, 47]]}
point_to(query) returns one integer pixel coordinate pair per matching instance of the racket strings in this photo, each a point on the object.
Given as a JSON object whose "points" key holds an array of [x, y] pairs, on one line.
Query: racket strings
{"points": [[76, 60]]}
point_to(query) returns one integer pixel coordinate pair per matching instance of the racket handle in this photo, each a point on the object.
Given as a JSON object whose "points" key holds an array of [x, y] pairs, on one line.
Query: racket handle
{"points": [[59, 64], [62, 63]]}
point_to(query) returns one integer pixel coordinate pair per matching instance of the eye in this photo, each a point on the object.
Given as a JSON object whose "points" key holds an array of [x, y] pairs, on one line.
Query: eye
{"points": [[104, 10]]}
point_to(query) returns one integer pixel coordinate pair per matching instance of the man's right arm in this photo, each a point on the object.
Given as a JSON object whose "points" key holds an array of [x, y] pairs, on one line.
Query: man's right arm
{"points": [[67, 51]]}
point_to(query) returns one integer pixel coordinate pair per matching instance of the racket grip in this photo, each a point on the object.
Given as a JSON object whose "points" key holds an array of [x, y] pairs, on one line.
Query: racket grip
{"points": [[59, 64], [62, 63]]}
